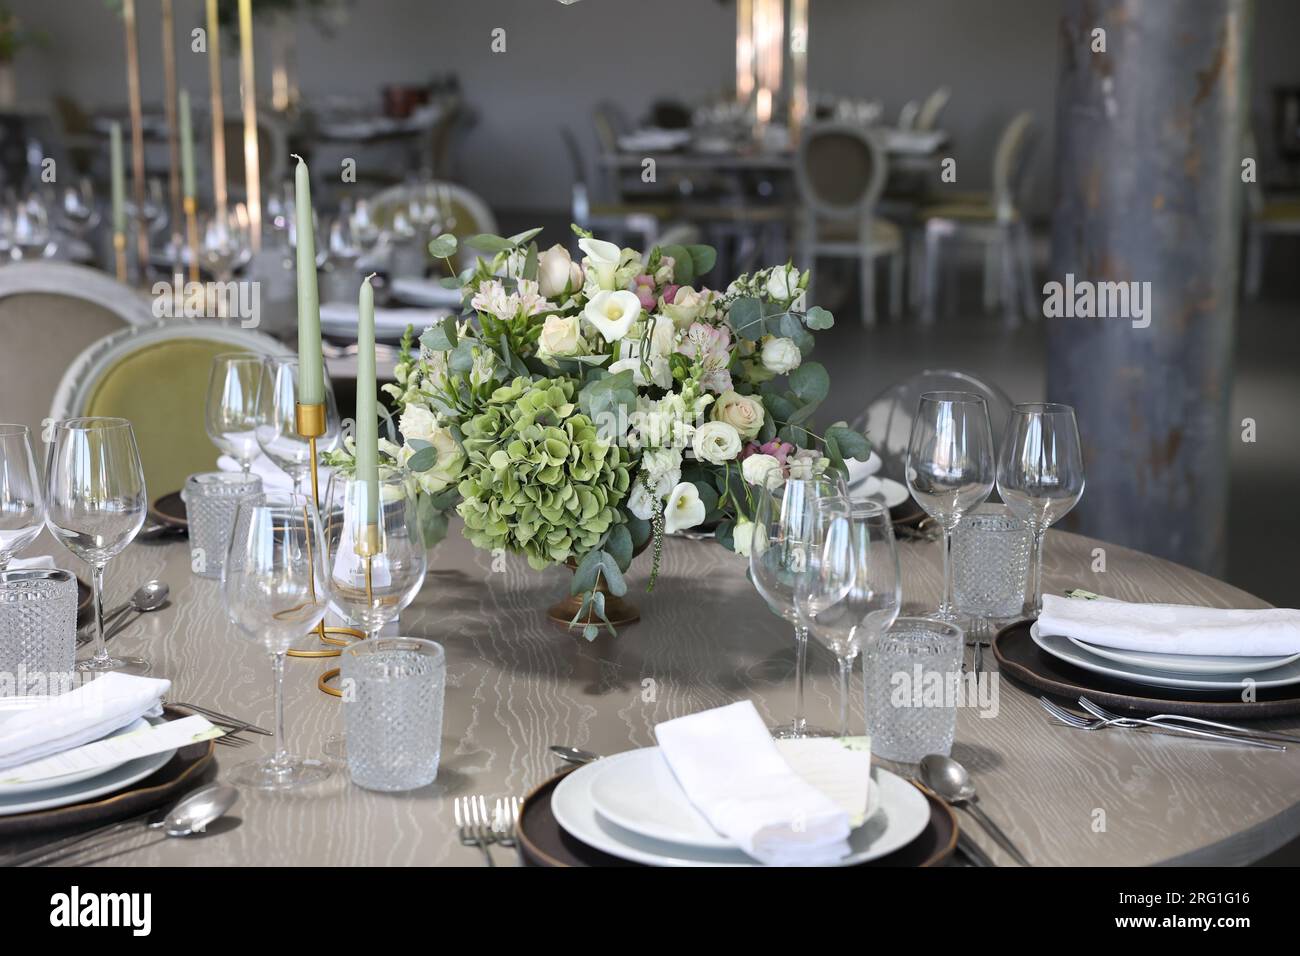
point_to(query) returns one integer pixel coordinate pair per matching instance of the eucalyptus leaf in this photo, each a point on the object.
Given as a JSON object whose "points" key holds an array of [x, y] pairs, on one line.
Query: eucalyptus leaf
{"points": [[852, 444], [703, 258], [518, 239], [746, 318], [486, 242], [639, 529], [613, 576], [443, 247], [818, 318], [423, 460], [810, 382], [619, 545], [584, 579]]}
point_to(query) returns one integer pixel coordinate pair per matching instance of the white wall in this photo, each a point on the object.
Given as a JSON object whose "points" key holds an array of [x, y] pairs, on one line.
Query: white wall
{"points": [[998, 55]]}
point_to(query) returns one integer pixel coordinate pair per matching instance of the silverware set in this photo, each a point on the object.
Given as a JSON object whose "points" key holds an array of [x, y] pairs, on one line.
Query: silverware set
{"points": [[477, 827], [150, 596], [1098, 718]]}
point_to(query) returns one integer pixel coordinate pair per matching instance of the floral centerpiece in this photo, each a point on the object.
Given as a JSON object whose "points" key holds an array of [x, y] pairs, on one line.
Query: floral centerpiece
{"points": [[578, 411]]}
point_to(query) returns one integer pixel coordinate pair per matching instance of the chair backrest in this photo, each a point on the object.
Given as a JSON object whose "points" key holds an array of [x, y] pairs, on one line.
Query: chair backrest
{"points": [[907, 115], [928, 117], [610, 123], [1255, 199], [840, 170], [464, 212], [49, 312], [887, 419], [157, 377], [1011, 162]]}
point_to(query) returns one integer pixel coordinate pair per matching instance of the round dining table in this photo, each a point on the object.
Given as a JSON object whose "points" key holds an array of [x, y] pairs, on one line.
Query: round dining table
{"points": [[517, 684]]}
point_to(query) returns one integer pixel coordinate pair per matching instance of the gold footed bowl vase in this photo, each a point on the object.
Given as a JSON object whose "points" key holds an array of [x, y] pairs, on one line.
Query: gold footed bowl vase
{"points": [[619, 610]]}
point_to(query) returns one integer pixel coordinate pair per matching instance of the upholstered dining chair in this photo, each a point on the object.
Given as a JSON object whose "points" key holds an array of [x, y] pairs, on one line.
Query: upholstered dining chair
{"points": [[1266, 216], [887, 419], [994, 220], [156, 376], [463, 212], [928, 116], [840, 171], [49, 312]]}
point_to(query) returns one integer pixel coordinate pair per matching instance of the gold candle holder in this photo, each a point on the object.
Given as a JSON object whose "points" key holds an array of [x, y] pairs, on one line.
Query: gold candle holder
{"points": [[310, 422], [119, 254], [192, 236]]}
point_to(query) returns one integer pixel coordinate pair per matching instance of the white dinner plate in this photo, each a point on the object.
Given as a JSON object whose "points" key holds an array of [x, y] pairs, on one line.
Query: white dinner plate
{"points": [[1186, 663], [640, 793], [425, 292], [116, 779], [904, 813], [14, 705], [1063, 649]]}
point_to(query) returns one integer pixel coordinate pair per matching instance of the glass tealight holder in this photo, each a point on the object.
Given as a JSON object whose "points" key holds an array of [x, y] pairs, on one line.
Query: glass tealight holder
{"points": [[211, 499]]}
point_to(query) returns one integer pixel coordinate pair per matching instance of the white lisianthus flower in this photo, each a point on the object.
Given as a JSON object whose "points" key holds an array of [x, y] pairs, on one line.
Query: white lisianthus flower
{"points": [[684, 509], [742, 536], [557, 273], [612, 313], [807, 463], [561, 337], [759, 470], [716, 442], [603, 259], [781, 355], [663, 335], [640, 501], [661, 470], [742, 411]]}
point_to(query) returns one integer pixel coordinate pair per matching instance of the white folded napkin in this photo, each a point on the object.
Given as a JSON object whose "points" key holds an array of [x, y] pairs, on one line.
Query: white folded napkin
{"points": [[93, 710], [274, 478], [729, 767], [1172, 628]]}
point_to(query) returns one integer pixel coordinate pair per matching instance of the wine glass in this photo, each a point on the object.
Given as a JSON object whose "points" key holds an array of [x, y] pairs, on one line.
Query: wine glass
{"points": [[95, 505], [1040, 473], [22, 509], [274, 589], [859, 561], [786, 527], [950, 467], [277, 420], [224, 246], [31, 229], [234, 385]]}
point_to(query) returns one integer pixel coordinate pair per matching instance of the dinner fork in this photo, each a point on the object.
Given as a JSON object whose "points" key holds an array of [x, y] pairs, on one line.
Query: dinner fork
{"points": [[1089, 706], [217, 717], [473, 824], [505, 820], [1083, 723]]}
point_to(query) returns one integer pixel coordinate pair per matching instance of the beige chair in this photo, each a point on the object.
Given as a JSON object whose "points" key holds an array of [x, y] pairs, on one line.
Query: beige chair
{"points": [[156, 377], [840, 170], [992, 220], [462, 213], [928, 117], [49, 312], [1265, 217]]}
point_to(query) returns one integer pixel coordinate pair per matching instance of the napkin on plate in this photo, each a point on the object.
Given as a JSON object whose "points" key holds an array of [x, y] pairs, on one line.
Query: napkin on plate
{"points": [[92, 711], [274, 478], [1172, 628], [729, 767]]}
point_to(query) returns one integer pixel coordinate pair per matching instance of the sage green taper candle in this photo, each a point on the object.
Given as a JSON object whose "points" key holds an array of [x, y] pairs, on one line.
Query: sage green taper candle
{"points": [[367, 431], [117, 177], [187, 147], [311, 364]]}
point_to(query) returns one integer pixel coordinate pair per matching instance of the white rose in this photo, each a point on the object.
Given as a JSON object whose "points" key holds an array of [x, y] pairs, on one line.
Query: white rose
{"points": [[448, 463], [684, 509], [783, 283], [687, 306], [781, 355], [663, 335], [741, 411], [612, 313], [557, 273], [561, 337], [716, 442], [742, 536], [758, 470], [417, 422], [603, 258]]}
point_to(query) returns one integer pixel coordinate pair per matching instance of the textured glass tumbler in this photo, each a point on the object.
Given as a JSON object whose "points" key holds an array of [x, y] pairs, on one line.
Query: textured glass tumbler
{"points": [[210, 502], [990, 553], [912, 685], [393, 691], [38, 630]]}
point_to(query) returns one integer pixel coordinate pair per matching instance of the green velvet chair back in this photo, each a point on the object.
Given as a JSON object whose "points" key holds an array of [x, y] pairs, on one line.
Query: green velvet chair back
{"points": [[161, 389]]}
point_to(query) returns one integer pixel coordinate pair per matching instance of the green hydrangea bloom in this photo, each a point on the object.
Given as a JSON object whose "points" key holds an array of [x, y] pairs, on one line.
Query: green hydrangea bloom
{"points": [[538, 480]]}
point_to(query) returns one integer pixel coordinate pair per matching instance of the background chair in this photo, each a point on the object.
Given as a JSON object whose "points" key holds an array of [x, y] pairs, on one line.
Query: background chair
{"points": [[887, 419], [49, 312], [1265, 217], [156, 376], [840, 171], [461, 212], [928, 116], [994, 221]]}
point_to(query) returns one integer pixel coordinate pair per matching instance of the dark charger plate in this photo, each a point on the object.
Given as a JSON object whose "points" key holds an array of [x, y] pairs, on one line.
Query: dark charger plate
{"points": [[543, 842], [170, 510], [1025, 662]]}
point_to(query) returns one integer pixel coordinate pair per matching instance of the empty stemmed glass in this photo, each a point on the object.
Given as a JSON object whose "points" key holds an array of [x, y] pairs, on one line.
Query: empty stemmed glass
{"points": [[858, 560], [22, 509], [224, 246], [277, 423], [30, 234], [376, 561], [789, 519], [274, 589], [231, 414], [950, 467], [95, 505], [1040, 473]]}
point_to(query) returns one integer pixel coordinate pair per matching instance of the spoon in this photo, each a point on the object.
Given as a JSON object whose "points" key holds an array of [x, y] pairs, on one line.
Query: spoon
{"points": [[193, 814], [149, 596], [949, 780], [574, 754]]}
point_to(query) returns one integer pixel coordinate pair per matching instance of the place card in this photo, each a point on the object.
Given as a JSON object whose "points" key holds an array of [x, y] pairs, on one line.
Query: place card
{"points": [[840, 770], [111, 751]]}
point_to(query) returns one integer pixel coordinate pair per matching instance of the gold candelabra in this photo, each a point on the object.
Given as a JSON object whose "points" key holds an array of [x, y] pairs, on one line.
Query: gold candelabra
{"points": [[119, 254], [192, 240]]}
